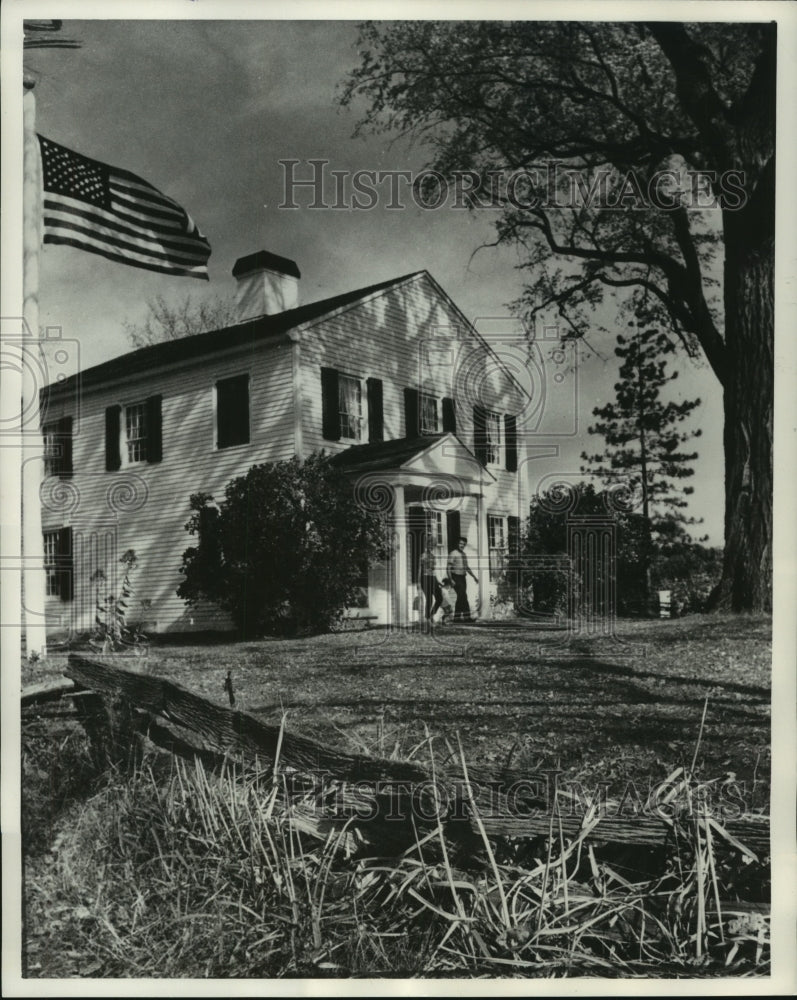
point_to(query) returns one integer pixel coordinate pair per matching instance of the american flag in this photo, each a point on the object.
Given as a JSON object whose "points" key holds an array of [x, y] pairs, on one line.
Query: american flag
{"points": [[112, 212]]}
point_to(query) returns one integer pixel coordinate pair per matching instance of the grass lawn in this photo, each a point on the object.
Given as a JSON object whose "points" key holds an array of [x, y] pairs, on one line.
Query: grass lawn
{"points": [[183, 876], [605, 709]]}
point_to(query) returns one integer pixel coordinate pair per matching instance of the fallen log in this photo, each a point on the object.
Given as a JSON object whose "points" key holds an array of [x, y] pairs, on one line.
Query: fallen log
{"points": [[52, 690], [639, 830], [229, 731]]}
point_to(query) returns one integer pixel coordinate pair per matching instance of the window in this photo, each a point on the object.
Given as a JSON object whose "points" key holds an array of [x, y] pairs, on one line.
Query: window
{"points": [[58, 563], [51, 548], [52, 450], [350, 407], [487, 436], [232, 411], [492, 438], [342, 406], [422, 414], [436, 531], [136, 433], [58, 447], [436, 528], [497, 543], [428, 413], [133, 433]]}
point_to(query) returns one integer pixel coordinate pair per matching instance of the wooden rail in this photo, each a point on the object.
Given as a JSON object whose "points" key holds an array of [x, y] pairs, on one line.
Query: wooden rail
{"points": [[128, 705]]}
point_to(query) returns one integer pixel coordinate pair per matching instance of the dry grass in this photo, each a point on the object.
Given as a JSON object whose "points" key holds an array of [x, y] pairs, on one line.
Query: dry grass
{"points": [[175, 872]]}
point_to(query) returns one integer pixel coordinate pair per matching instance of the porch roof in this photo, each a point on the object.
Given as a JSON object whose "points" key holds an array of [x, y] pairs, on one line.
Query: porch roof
{"points": [[445, 454]]}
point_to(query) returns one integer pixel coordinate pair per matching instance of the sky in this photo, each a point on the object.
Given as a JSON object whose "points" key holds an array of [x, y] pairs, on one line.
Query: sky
{"points": [[205, 111]]}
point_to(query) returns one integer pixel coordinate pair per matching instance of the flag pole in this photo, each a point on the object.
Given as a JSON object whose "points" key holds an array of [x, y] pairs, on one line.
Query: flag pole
{"points": [[33, 574]]}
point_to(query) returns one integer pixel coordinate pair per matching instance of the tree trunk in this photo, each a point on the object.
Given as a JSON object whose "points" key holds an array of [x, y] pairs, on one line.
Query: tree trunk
{"points": [[746, 583]]}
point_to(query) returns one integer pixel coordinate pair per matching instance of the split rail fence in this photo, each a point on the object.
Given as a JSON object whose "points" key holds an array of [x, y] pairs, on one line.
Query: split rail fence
{"points": [[385, 800]]}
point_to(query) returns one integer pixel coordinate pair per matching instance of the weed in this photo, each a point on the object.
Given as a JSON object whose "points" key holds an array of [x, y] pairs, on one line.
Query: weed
{"points": [[111, 631]]}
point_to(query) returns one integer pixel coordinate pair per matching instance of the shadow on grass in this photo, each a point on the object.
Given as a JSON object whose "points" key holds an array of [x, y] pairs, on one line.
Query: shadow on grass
{"points": [[586, 669], [602, 667]]}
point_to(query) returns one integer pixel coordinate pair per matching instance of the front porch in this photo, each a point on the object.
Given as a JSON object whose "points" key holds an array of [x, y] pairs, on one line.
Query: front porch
{"points": [[427, 487]]}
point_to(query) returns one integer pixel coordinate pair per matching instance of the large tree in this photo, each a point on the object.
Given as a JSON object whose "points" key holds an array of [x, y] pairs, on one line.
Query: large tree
{"points": [[642, 109], [643, 440]]}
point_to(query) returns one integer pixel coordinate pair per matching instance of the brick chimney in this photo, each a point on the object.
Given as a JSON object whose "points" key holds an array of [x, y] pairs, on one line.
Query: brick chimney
{"points": [[267, 284]]}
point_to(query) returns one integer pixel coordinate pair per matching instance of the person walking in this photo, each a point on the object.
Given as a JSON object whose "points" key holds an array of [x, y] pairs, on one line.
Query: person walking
{"points": [[430, 585], [458, 570]]}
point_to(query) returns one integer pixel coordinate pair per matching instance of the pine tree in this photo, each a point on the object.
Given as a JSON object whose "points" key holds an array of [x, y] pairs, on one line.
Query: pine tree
{"points": [[616, 104], [644, 442]]}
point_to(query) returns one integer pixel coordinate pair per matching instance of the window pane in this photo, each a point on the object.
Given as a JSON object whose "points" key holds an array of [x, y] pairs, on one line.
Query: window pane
{"points": [[52, 461], [496, 532], [350, 407], [136, 433], [493, 428], [428, 414], [52, 583]]}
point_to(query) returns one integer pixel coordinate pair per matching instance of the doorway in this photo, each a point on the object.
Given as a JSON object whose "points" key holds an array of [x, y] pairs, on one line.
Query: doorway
{"points": [[422, 523]]}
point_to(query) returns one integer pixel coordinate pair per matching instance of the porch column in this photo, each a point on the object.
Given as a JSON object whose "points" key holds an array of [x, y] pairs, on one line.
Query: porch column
{"points": [[484, 556], [400, 556]]}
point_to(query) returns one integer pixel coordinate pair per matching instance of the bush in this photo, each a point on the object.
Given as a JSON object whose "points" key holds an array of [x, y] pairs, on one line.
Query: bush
{"points": [[284, 552], [546, 534], [686, 568], [691, 572]]}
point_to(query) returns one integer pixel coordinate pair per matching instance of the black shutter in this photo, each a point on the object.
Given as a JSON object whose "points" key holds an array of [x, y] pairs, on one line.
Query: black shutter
{"points": [[209, 543], [330, 405], [65, 565], [510, 442], [449, 416], [480, 433], [154, 425], [232, 411], [513, 535], [412, 426], [65, 443], [113, 459], [452, 528], [376, 429]]}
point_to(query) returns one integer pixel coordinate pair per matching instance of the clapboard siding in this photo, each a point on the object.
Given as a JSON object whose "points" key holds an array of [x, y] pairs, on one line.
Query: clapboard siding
{"points": [[412, 337], [144, 506], [409, 336]]}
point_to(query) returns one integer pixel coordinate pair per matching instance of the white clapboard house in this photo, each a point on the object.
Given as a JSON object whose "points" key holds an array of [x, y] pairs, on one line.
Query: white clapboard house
{"points": [[390, 379]]}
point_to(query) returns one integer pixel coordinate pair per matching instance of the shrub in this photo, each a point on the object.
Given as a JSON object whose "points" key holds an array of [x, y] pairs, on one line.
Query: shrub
{"points": [[678, 564], [284, 551], [546, 534], [690, 571]]}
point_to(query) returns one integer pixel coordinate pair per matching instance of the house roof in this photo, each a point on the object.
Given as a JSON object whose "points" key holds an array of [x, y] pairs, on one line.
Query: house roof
{"points": [[251, 332], [432, 454], [383, 454]]}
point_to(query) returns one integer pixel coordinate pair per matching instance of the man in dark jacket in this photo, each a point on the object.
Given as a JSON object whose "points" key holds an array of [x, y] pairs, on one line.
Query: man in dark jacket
{"points": [[458, 570]]}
